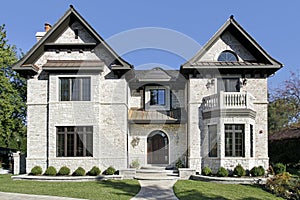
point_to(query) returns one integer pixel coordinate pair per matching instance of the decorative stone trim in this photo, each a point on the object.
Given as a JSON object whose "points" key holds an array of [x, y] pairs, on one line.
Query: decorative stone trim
{"points": [[186, 173], [230, 180], [128, 173]]}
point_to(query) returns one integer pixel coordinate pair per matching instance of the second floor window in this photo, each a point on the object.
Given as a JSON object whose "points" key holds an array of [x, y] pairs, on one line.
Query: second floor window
{"points": [[157, 97], [229, 85], [75, 89]]}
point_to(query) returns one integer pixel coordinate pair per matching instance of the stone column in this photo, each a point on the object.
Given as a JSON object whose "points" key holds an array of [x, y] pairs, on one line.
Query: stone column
{"points": [[16, 165]]}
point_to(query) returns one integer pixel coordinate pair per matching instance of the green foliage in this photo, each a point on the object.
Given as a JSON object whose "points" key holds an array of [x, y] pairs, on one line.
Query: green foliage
{"points": [[79, 172], [206, 171], [284, 185], [12, 98], [222, 172], [110, 171], [36, 170], [95, 171], [50, 171], [239, 171], [279, 168], [63, 171], [257, 171], [135, 164], [179, 164]]}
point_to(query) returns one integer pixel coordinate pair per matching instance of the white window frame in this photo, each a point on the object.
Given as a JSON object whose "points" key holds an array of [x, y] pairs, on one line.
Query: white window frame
{"points": [[149, 107]]}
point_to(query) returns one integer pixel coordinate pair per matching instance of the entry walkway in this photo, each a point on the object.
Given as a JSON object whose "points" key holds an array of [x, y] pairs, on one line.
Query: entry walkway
{"points": [[156, 190], [17, 196]]}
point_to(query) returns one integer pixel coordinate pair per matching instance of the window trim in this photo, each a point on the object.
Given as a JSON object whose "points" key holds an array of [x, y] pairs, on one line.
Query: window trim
{"points": [[75, 133], [232, 53], [234, 133], [147, 97], [59, 97]]}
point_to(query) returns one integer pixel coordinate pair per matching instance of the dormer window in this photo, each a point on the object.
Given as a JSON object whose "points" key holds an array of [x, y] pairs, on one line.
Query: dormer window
{"points": [[227, 56], [157, 98]]}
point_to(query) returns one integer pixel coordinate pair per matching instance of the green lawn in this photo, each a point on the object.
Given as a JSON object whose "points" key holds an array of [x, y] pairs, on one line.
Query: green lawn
{"points": [[121, 189], [204, 190]]}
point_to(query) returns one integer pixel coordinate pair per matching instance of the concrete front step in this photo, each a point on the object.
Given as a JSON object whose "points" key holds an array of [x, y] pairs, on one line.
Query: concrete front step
{"points": [[156, 173]]}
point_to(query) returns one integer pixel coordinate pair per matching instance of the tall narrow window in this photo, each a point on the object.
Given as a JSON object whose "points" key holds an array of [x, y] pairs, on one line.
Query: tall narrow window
{"points": [[75, 89], [213, 142], [74, 141], [234, 140], [251, 140], [157, 97]]}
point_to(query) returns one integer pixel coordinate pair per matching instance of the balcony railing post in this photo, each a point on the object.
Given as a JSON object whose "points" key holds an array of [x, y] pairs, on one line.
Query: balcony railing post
{"points": [[221, 100]]}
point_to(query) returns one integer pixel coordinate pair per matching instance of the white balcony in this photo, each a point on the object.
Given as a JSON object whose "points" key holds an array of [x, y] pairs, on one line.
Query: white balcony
{"points": [[228, 100]]}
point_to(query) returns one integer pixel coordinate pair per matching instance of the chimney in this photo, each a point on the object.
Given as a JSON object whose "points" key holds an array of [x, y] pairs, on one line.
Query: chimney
{"points": [[39, 35], [47, 27]]}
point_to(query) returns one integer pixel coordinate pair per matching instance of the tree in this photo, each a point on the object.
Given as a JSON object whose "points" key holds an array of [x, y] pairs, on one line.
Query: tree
{"points": [[12, 98], [284, 106]]}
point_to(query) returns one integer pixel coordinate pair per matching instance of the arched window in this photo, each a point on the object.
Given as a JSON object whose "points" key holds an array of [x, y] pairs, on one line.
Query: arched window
{"points": [[227, 56]]}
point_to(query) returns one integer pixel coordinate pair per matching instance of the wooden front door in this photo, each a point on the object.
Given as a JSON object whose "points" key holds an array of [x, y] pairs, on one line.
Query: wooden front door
{"points": [[158, 148]]}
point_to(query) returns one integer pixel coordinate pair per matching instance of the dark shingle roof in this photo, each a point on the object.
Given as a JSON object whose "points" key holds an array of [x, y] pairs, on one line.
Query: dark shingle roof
{"points": [[290, 133]]}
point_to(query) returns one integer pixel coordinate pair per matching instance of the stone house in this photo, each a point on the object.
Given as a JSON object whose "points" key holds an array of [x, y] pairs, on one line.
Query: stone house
{"points": [[87, 106]]}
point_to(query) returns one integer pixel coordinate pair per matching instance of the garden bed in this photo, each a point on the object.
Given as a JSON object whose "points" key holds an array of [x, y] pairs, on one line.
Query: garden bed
{"points": [[67, 178], [230, 180]]}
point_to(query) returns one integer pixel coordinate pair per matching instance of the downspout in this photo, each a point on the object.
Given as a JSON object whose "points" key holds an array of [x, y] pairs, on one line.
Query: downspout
{"points": [[47, 125]]}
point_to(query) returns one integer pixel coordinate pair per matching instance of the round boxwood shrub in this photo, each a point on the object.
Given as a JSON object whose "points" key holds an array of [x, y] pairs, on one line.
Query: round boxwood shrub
{"points": [[36, 170], [63, 171], [206, 171], [239, 171], [79, 172], [222, 172], [110, 171], [50, 171], [95, 171], [279, 168], [257, 171]]}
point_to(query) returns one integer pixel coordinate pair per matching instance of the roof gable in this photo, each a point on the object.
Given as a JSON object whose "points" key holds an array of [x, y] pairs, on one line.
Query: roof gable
{"points": [[233, 35], [52, 37]]}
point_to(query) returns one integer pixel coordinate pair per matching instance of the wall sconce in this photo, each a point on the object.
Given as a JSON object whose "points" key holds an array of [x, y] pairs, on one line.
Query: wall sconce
{"points": [[210, 83], [244, 82]]}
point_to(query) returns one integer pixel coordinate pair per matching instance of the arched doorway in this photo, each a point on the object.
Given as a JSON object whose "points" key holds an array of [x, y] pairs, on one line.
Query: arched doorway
{"points": [[158, 148]]}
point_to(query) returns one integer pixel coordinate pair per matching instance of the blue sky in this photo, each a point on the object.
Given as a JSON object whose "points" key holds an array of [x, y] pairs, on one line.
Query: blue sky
{"points": [[273, 24]]}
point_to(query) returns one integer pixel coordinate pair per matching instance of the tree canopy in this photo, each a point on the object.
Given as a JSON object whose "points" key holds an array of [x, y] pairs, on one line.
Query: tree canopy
{"points": [[12, 98], [284, 106]]}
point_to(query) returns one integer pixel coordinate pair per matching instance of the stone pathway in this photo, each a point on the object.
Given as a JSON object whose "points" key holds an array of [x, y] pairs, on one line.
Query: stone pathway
{"points": [[156, 190], [17, 196]]}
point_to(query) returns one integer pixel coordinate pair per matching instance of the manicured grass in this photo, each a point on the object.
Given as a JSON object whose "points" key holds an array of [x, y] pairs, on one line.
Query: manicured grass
{"points": [[121, 189], [205, 190]]}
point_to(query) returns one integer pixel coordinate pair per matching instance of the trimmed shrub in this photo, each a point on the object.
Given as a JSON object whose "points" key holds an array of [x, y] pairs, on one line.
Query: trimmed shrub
{"points": [[36, 170], [261, 170], [110, 171], [63, 171], [95, 171], [206, 171], [79, 172], [179, 164], [50, 171], [239, 171], [135, 164], [279, 168], [222, 172]]}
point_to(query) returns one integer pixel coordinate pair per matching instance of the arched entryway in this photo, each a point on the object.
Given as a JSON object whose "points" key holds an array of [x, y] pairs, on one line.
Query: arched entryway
{"points": [[158, 148]]}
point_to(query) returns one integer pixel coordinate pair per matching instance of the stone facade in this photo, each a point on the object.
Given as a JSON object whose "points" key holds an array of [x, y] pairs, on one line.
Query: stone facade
{"points": [[135, 115]]}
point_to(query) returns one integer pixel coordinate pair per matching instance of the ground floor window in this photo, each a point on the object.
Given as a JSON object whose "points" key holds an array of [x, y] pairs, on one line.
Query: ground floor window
{"points": [[74, 141], [234, 140], [213, 144]]}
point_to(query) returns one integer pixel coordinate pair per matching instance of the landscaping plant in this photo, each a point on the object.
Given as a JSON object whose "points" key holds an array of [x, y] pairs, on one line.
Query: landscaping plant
{"points": [[239, 171], [63, 171], [279, 168], [79, 172], [222, 172], [37, 170], [95, 171], [206, 171], [110, 171], [50, 171]]}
